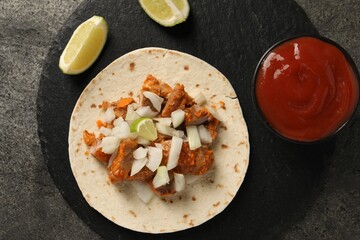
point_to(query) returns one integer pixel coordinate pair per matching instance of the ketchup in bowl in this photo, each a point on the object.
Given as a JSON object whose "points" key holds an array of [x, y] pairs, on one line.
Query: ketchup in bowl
{"points": [[306, 88]]}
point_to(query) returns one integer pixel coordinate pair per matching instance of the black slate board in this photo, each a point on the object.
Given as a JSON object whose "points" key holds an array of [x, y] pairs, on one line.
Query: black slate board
{"points": [[283, 179]]}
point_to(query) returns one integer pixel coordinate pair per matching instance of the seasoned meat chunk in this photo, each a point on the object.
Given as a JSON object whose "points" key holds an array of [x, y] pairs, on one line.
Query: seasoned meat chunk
{"points": [[178, 99], [196, 115], [196, 162], [122, 163]]}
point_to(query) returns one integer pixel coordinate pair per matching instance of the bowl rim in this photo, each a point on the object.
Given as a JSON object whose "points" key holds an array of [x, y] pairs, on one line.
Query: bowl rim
{"points": [[254, 80]]}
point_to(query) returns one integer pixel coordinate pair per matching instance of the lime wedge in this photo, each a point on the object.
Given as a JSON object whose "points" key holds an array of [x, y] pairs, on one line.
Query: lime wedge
{"points": [[84, 46], [166, 12], [145, 127]]}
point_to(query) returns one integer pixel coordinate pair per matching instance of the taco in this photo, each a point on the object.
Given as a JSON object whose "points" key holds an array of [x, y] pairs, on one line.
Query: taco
{"points": [[158, 142]]}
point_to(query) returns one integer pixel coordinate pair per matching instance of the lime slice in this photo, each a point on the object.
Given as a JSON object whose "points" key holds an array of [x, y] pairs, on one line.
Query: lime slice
{"points": [[84, 46], [166, 12], [145, 127]]}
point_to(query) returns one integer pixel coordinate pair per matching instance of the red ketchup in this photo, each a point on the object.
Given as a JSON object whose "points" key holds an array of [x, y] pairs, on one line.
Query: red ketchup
{"points": [[306, 89]]}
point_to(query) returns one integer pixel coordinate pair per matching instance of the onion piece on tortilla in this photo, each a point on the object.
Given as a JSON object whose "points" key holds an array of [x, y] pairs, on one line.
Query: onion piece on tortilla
{"points": [[204, 134], [163, 129], [146, 111], [155, 100], [105, 131], [163, 121], [137, 165], [200, 98], [174, 153], [118, 121], [161, 177], [142, 141], [131, 114], [159, 145], [122, 130], [193, 137], [109, 114], [143, 191], [112, 157], [155, 156], [109, 144], [140, 152], [179, 180], [169, 131], [177, 117]]}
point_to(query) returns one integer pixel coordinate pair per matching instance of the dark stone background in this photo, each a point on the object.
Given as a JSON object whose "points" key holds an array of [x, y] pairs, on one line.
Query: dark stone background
{"points": [[31, 205]]}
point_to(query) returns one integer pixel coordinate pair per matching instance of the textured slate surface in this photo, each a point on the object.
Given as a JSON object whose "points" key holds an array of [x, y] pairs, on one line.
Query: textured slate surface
{"points": [[34, 209]]}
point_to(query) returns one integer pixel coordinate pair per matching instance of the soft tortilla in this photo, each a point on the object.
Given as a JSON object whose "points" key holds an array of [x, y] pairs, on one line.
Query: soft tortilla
{"points": [[203, 198]]}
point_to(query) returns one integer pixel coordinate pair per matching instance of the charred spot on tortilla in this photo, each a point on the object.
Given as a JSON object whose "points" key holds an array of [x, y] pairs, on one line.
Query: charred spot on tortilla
{"points": [[132, 66], [236, 168], [116, 120], [224, 146], [219, 185], [216, 204], [230, 194], [132, 213], [222, 105]]}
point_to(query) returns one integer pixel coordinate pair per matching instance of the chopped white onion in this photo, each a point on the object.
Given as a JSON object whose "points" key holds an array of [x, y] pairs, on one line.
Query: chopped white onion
{"points": [[163, 121], [155, 100], [163, 129], [142, 141], [121, 131], [146, 112], [179, 181], [140, 152], [193, 137], [177, 117], [143, 191], [200, 98], [112, 157], [154, 158], [131, 115], [137, 165], [105, 131], [204, 134], [159, 145], [161, 177], [214, 112], [179, 133], [109, 114], [109, 144], [174, 153], [118, 121], [169, 131]]}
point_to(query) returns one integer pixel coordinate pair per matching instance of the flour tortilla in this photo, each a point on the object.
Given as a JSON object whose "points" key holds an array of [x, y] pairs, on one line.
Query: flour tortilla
{"points": [[203, 197]]}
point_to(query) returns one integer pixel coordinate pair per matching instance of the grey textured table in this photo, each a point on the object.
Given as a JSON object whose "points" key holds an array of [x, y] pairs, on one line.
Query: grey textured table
{"points": [[31, 205]]}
